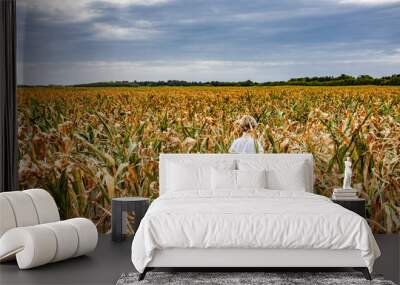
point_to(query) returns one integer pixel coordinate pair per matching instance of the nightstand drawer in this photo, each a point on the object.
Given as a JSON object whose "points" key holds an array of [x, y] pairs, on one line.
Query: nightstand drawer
{"points": [[357, 206]]}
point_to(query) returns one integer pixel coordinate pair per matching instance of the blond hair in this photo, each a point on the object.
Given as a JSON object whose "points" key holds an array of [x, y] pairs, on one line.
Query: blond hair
{"points": [[247, 123]]}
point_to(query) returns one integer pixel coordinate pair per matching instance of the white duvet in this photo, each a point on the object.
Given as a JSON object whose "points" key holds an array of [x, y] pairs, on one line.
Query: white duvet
{"points": [[254, 218]]}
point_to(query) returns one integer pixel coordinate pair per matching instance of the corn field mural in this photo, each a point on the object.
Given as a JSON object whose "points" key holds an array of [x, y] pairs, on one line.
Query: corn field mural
{"points": [[87, 145]]}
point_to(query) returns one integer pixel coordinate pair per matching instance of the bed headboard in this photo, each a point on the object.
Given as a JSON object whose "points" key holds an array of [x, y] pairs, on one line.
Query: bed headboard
{"points": [[211, 158]]}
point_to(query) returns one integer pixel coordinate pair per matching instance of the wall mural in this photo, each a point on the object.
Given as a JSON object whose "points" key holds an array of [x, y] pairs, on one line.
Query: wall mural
{"points": [[88, 143]]}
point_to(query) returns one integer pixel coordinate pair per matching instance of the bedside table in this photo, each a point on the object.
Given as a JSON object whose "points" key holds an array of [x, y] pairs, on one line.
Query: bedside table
{"points": [[119, 208], [357, 206]]}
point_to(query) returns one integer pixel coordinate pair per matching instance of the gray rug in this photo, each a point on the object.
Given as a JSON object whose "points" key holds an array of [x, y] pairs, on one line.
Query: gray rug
{"points": [[269, 278]]}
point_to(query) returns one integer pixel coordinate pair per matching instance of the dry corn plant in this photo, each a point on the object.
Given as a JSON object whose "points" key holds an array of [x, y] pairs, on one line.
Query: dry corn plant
{"points": [[87, 145]]}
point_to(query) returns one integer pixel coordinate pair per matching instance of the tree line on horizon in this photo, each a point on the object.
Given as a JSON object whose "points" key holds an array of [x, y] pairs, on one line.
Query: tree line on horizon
{"points": [[342, 80]]}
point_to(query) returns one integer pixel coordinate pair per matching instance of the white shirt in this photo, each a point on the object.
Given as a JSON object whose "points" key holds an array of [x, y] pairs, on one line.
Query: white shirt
{"points": [[246, 144]]}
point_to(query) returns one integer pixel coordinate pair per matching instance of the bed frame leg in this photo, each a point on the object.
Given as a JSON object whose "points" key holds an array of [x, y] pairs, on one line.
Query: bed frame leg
{"points": [[143, 274], [364, 271]]}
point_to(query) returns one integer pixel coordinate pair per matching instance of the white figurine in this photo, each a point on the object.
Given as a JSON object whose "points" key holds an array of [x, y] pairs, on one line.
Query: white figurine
{"points": [[347, 174]]}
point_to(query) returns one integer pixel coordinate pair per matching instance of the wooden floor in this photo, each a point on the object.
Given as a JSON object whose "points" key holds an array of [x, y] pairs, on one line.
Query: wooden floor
{"points": [[110, 260]]}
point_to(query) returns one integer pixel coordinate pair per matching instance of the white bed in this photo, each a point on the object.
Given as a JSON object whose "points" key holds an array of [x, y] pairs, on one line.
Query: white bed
{"points": [[218, 224]]}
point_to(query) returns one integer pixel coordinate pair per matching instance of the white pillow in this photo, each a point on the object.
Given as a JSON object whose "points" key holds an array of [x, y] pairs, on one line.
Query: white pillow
{"points": [[281, 175], [182, 177], [292, 179], [183, 174], [251, 178], [223, 179]]}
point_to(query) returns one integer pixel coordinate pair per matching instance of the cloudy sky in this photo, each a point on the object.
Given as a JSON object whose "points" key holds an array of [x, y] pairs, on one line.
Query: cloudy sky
{"points": [[77, 41]]}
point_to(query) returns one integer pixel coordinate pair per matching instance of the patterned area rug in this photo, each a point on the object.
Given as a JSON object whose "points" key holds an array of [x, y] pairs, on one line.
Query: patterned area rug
{"points": [[269, 278]]}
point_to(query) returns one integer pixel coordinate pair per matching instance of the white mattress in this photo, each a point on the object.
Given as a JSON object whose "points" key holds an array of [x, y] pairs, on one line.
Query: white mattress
{"points": [[252, 219]]}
